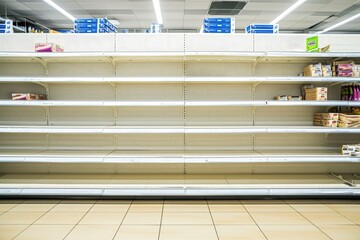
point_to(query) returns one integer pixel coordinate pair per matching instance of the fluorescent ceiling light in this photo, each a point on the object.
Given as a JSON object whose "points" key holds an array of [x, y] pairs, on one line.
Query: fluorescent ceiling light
{"points": [[287, 11], [60, 9], [340, 24], [156, 4]]}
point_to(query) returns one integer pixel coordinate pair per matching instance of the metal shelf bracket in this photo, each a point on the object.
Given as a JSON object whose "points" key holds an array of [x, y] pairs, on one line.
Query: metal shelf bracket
{"points": [[44, 63], [339, 177]]}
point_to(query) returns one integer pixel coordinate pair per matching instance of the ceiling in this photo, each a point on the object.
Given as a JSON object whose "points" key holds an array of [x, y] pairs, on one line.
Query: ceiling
{"points": [[187, 15]]}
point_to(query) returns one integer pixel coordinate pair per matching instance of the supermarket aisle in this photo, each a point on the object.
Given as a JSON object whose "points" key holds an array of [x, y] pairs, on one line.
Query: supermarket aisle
{"points": [[172, 220]]}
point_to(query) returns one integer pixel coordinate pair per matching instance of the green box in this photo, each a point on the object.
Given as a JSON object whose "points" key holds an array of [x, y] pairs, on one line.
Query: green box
{"points": [[312, 44]]}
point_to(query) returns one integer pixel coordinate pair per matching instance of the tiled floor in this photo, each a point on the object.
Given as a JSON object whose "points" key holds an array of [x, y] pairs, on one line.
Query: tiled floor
{"points": [[183, 220]]}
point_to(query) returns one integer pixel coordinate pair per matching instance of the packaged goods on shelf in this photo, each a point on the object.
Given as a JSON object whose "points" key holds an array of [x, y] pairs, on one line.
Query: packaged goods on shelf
{"points": [[343, 68], [304, 87], [6, 26], [48, 47], [356, 70], [219, 25], [295, 98], [351, 150], [326, 119], [326, 70], [94, 25], [28, 96], [316, 94], [349, 121], [350, 92], [155, 28], [262, 28], [281, 98], [313, 70]]}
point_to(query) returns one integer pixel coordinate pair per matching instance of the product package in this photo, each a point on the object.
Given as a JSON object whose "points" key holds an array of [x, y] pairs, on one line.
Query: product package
{"points": [[303, 89], [155, 28], [262, 28], [295, 98], [47, 47], [316, 94], [6, 26], [313, 70], [219, 25], [281, 98], [356, 70], [326, 119], [343, 68], [350, 92], [94, 25], [351, 150], [326, 70], [349, 121], [28, 96]]}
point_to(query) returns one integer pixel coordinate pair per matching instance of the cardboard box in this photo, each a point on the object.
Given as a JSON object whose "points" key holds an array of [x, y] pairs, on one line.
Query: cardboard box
{"points": [[47, 47], [330, 116], [281, 98], [329, 123], [295, 98]]}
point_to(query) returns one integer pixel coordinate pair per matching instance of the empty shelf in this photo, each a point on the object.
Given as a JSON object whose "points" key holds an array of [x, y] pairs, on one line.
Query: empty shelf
{"points": [[174, 185], [48, 156], [175, 129]]}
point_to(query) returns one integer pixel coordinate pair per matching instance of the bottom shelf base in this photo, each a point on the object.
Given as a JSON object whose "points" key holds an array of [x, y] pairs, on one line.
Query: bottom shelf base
{"points": [[136, 185]]}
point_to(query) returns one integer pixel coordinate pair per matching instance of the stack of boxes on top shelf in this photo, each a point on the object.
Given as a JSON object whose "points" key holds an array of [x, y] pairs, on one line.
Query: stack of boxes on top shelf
{"points": [[94, 25], [351, 150], [6, 26], [219, 25], [262, 28]]}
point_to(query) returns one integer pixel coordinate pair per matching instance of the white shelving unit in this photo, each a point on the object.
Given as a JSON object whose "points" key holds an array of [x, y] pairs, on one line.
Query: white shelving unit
{"points": [[195, 111]]}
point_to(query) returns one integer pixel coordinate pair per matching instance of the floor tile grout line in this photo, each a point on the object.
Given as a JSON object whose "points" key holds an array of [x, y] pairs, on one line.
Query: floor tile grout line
{"points": [[254, 221], [311, 222], [348, 218], [29, 225], [80, 219], [212, 219], [14, 206], [162, 214], [126, 213]]}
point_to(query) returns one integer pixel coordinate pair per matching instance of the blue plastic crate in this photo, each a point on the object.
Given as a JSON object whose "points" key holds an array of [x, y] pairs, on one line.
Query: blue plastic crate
{"points": [[91, 20], [263, 26], [269, 31], [6, 31], [217, 25], [91, 30], [90, 25], [5, 26], [217, 30]]}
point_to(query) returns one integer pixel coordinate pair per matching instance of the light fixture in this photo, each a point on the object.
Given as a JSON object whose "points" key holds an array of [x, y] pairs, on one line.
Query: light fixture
{"points": [[287, 11], [339, 24], [60, 9], [157, 8]]}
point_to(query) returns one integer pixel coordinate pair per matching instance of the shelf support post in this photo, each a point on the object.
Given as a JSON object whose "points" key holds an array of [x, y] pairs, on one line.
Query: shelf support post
{"points": [[44, 63], [113, 62]]}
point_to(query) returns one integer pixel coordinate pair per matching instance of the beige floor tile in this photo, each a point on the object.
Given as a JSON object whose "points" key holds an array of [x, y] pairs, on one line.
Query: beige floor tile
{"points": [[6, 206], [263, 208], [239, 232], [187, 232], [112, 208], [77, 201], [45, 232], [185, 201], [185, 208], [138, 232], [71, 208], [102, 218], [120, 202], [60, 218], [342, 232], [227, 208], [326, 218], [345, 207], [142, 218], [353, 216], [187, 218], [8, 232], [232, 218], [292, 232], [279, 218], [225, 202], [10, 201], [150, 202], [262, 201], [311, 208], [150, 208], [19, 218], [41, 201], [93, 232], [32, 208]]}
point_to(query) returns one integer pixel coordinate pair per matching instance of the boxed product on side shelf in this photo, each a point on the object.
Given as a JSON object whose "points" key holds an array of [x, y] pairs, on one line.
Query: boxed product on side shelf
{"points": [[352, 150], [28, 96], [343, 68], [318, 70], [262, 28], [349, 121], [316, 94], [48, 47], [356, 70], [326, 119], [6, 26], [350, 92], [219, 25], [94, 25], [288, 98]]}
